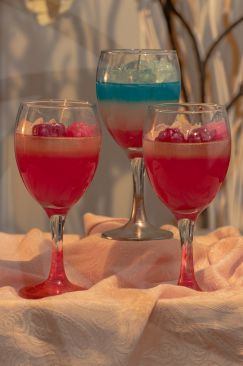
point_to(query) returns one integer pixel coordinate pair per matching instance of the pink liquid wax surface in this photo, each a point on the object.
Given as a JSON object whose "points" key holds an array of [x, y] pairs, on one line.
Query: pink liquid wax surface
{"points": [[186, 176], [127, 138], [57, 170]]}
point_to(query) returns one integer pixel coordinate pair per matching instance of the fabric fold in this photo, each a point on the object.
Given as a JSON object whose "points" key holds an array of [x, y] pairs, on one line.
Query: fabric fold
{"points": [[133, 313]]}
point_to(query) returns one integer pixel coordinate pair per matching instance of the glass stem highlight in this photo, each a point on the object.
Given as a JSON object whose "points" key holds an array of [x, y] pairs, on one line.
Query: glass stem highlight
{"points": [[187, 275], [138, 215], [57, 272]]}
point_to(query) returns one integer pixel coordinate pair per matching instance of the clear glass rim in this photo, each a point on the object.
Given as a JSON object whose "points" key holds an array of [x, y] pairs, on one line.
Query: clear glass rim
{"points": [[139, 51], [58, 103], [208, 108]]}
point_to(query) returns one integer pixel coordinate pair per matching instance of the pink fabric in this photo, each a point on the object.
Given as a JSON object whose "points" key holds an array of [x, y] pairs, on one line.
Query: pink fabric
{"points": [[133, 313]]}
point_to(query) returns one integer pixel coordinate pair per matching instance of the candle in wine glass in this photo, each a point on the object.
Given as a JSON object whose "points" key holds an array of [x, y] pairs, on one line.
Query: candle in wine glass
{"points": [[187, 153], [57, 146], [127, 81]]}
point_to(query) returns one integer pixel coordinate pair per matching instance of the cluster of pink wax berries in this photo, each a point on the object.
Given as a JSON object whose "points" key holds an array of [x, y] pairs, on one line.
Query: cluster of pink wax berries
{"points": [[201, 134], [55, 129]]}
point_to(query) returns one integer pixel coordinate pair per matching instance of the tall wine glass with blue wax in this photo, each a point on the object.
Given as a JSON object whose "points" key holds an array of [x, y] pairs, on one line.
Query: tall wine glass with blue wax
{"points": [[127, 81]]}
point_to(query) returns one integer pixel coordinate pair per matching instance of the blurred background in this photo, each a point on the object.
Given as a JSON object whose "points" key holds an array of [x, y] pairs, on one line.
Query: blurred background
{"points": [[50, 49]]}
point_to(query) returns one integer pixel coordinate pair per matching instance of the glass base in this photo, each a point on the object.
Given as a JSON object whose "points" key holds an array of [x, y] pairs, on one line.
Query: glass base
{"points": [[191, 283], [48, 288], [137, 232]]}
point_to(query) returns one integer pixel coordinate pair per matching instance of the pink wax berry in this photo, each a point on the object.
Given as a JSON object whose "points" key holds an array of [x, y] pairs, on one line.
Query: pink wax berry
{"points": [[42, 129], [49, 129], [171, 135], [201, 134], [80, 129], [57, 129]]}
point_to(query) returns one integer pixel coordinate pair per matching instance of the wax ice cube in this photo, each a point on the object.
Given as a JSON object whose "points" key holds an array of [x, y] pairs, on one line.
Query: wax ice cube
{"points": [[139, 72], [144, 71], [52, 120], [184, 125], [165, 71], [115, 75], [25, 126]]}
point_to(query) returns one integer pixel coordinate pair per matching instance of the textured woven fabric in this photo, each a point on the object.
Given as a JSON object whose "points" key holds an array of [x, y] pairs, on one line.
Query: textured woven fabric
{"points": [[133, 312]]}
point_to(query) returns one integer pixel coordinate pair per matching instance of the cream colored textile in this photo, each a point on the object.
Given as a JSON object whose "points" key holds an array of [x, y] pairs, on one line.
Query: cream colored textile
{"points": [[133, 313]]}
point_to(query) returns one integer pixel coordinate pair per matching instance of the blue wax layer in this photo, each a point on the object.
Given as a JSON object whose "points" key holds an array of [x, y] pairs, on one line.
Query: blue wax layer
{"points": [[126, 93]]}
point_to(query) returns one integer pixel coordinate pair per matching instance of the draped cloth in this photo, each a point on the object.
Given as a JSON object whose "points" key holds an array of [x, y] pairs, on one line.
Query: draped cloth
{"points": [[133, 313]]}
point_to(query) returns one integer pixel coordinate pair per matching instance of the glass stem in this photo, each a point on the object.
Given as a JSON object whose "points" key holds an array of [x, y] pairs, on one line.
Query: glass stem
{"points": [[138, 215], [57, 272], [187, 276]]}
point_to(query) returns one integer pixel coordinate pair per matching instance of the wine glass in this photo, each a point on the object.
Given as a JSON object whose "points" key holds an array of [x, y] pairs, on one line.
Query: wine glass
{"points": [[57, 144], [127, 81], [187, 153]]}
